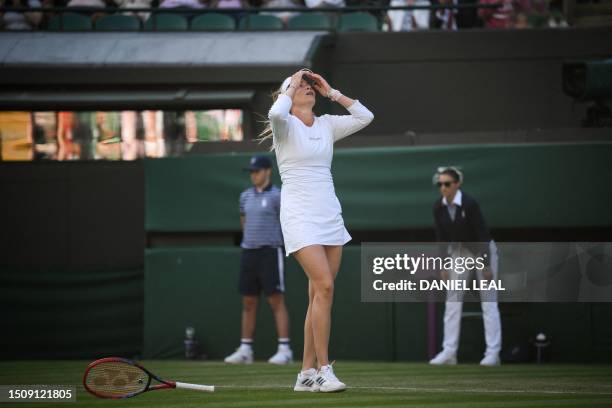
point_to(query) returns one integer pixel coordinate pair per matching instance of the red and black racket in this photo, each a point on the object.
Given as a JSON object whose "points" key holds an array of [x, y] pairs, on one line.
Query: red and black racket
{"points": [[115, 377]]}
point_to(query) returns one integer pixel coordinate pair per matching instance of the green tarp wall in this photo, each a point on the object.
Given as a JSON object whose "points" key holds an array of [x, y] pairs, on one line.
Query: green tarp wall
{"points": [[197, 287], [381, 188], [530, 185]]}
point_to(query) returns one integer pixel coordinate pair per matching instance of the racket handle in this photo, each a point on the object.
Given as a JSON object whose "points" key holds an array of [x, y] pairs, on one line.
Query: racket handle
{"points": [[195, 387]]}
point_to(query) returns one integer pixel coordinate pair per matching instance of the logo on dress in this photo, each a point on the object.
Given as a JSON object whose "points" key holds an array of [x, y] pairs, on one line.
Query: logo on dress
{"points": [[264, 202]]}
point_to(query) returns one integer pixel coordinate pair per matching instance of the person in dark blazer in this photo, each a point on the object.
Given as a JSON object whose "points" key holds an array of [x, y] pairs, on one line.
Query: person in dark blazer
{"points": [[461, 229]]}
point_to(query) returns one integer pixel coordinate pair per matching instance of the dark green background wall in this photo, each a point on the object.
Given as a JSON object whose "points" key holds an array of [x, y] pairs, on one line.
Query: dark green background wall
{"points": [[517, 185]]}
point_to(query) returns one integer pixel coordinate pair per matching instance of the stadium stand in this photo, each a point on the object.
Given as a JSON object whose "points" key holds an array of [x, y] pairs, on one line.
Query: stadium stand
{"points": [[117, 22], [261, 22], [70, 22], [310, 21], [166, 21], [213, 21]]}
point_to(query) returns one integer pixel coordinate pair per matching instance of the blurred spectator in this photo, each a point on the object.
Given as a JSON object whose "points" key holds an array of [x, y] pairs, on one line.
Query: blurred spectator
{"points": [[455, 18], [496, 18], [229, 4], [82, 136], [444, 18], [324, 3], [143, 15], [86, 3], [231, 7], [530, 13], [283, 15], [16, 20], [182, 3], [95, 14], [174, 133], [407, 20]]}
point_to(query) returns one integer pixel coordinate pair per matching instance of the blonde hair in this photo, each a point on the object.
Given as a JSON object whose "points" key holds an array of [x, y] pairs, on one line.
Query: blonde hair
{"points": [[267, 132]]}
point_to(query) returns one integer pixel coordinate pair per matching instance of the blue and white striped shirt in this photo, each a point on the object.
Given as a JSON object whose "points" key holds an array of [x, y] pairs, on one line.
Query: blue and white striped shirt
{"points": [[261, 211]]}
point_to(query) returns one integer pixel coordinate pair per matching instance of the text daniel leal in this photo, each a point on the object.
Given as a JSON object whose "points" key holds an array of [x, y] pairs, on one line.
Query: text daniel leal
{"points": [[452, 284]]}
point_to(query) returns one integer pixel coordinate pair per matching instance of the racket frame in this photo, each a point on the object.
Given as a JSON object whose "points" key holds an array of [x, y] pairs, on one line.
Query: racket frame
{"points": [[164, 384]]}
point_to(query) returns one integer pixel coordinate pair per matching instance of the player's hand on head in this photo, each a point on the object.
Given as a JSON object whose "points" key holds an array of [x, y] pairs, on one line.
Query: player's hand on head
{"points": [[320, 84], [296, 79]]}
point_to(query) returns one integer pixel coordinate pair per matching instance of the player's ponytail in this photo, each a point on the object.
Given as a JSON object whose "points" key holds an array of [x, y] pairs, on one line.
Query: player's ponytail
{"points": [[267, 132]]}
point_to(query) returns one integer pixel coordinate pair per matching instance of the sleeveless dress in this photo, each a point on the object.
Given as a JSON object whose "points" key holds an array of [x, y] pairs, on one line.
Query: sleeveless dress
{"points": [[310, 212]]}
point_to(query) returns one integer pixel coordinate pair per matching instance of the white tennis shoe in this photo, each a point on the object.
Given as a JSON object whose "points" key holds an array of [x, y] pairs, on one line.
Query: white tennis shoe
{"points": [[444, 358], [490, 360], [282, 356], [327, 380], [306, 381], [242, 355]]}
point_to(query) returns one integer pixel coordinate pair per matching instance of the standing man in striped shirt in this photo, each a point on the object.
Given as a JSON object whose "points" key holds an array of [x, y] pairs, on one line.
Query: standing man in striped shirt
{"points": [[262, 262]]}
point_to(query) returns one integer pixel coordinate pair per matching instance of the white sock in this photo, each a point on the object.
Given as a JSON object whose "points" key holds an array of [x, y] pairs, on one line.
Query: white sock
{"points": [[283, 344], [246, 344]]}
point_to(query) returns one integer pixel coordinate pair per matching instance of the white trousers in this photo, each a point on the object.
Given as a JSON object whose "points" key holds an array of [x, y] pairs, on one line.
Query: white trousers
{"points": [[490, 311]]}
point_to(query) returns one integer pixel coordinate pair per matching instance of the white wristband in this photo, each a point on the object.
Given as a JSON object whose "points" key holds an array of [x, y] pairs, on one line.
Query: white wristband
{"points": [[334, 94]]}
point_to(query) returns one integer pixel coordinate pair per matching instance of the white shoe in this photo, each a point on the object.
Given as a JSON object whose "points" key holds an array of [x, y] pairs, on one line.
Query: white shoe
{"points": [[490, 360], [242, 355], [306, 381], [444, 358], [282, 357], [327, 380]]}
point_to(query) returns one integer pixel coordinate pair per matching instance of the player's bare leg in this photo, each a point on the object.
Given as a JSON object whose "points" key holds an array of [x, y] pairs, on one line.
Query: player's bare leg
{"points": [[314, 260]]}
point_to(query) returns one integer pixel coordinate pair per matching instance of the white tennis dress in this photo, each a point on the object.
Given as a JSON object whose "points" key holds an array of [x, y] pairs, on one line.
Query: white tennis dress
{"points": [[310, 212]]}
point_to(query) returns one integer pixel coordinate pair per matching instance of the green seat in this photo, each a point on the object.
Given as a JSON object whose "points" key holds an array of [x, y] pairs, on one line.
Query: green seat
{"points": [[70, 22], [358, 21], [166, 21], [261, 22], [213, 21], [118, 22], [310, 21]]}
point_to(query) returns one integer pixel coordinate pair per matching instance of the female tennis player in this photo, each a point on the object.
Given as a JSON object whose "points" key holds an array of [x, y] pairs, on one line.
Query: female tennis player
{"points": [[310, 213]]}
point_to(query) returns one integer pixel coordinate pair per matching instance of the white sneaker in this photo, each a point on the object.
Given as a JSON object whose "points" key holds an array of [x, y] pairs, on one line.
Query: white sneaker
{"points": [[327, 380], [444, 358], [242, 355], [282, 356], [306, 381], [490, 360]]}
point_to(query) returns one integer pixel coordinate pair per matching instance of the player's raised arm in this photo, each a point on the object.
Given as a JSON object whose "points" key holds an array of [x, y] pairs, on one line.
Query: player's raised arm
{"points": [[343, 125], [279, 111]]}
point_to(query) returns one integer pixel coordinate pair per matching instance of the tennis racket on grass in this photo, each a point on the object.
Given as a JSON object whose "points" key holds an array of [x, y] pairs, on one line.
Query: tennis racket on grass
{"points": [[116, 378]]}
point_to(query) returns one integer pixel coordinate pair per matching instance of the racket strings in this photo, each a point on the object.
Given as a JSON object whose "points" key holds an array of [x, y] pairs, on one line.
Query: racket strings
{"points": [[116, 379]]}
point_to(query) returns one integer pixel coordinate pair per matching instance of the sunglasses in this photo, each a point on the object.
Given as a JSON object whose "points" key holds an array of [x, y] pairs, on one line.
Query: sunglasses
{"points": [[446, 184]]}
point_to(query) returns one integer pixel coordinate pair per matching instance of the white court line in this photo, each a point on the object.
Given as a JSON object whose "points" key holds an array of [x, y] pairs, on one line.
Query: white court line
{"points": [[414, 389]]}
